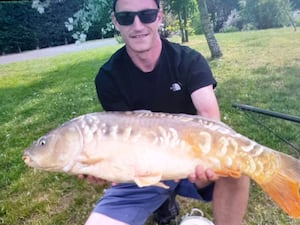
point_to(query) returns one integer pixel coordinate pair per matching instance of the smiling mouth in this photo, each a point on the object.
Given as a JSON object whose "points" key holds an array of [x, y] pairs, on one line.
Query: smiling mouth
{"points": [[139, 36]]}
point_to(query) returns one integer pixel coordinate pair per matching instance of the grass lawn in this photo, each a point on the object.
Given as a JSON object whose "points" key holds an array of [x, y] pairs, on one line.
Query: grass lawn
{"points": [[259, 68]]}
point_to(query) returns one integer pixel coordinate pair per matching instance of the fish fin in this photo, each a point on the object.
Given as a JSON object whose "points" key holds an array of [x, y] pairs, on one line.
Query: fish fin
{"points": [[86, 160], [283, 187], [162, 185], [148, 180], [228, 173]]}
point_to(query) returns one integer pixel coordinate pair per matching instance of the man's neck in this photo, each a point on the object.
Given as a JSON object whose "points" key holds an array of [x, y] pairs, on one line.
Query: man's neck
{"points": [[146, 61]]}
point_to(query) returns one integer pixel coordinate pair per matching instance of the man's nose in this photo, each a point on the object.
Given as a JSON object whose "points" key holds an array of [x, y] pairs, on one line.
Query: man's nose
{"points": [[137, 22]]}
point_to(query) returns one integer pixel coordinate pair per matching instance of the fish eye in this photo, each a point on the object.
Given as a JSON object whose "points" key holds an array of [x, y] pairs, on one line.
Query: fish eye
{"points": [[42, 141]]}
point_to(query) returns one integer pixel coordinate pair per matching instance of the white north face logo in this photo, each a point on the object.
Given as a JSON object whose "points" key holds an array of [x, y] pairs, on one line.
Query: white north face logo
{"points": [[175, 87]]}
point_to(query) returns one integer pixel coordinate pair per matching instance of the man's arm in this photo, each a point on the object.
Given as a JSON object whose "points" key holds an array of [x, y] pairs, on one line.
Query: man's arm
{"points": [[230, 195], [205, 102]]}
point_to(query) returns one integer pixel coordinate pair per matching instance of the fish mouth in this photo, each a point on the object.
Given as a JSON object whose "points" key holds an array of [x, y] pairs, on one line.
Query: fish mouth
{"points": [[26, 159]]}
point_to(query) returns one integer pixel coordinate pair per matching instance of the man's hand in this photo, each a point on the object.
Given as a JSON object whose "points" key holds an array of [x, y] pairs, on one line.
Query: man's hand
{"points": [[202, 177]]}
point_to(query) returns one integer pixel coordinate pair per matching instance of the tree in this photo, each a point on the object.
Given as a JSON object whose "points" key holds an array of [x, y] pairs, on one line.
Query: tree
{"points": [[97, 10], [38, 30], [208, 30], [219, 10], [92, 12], [264, 14], [183, 9], [295, 4]]}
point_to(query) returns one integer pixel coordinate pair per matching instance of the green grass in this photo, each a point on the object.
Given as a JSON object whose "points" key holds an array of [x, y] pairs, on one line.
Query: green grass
{"points": [[259, 68]]}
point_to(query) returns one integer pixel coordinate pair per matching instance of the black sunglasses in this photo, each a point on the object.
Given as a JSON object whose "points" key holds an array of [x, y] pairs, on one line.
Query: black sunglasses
{"points": [[146, 16]]}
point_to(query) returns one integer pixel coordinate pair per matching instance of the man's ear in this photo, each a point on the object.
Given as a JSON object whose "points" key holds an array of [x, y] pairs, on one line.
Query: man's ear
{"points": [[115, 22], [160, 15]]}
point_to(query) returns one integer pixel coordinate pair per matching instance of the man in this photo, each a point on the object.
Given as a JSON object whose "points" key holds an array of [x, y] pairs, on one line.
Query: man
{"points": [[153, 74]]}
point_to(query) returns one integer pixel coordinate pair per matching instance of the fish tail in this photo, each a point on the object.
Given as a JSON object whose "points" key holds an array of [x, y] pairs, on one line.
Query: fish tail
{"points": [[283, 188]]}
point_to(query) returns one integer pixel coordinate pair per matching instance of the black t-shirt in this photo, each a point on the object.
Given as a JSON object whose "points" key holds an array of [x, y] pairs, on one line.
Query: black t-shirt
{"points": [[180, 70]]}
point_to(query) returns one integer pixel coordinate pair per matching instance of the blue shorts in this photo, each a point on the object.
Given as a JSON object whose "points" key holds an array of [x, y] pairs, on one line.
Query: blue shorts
{"points": [[133, 205]]}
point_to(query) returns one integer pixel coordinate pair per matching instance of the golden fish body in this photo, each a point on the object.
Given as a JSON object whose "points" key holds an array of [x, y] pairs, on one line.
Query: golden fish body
{"points": [[146, 147]]}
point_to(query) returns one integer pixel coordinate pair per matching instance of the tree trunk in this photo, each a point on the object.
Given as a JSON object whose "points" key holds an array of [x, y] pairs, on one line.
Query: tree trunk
{"points": [[181, 28], [184, 15], [208, 30]]}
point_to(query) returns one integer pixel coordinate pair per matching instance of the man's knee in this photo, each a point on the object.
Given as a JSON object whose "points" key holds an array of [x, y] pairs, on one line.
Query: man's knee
{"points": [[100, 219]]}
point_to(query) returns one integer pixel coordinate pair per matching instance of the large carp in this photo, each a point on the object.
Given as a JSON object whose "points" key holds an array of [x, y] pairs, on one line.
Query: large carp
{"points": [[146, 147]]}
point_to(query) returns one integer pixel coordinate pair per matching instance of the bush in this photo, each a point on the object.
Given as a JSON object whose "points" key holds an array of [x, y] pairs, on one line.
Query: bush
{"points": [[249, 26], [266, 14], [24, 28], [229, 29]]}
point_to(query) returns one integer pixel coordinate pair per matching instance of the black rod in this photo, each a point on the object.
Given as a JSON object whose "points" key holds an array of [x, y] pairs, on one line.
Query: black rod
{"points": [[267, 112]]}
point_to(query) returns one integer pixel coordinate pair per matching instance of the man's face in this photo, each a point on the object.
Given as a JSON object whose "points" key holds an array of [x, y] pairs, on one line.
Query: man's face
{"points": [[139, 36]]}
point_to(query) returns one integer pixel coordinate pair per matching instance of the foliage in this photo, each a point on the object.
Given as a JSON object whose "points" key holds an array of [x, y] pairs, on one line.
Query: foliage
{"points": [[233, 22], [229, 29], [248, 27], [259, 14], [40, 5], [183, 10], [265, 14], [196, 23], [93, 11], [46, 27], [220, 10], [38, 30], [58, 22], [295, 4]]}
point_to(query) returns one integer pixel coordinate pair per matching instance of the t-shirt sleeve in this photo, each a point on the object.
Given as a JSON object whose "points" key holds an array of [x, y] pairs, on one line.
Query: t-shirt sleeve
{"points": [[197, 71]]}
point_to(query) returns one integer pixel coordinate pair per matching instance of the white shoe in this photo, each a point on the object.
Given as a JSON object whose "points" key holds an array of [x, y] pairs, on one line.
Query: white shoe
{"points": [[193, 219]]}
